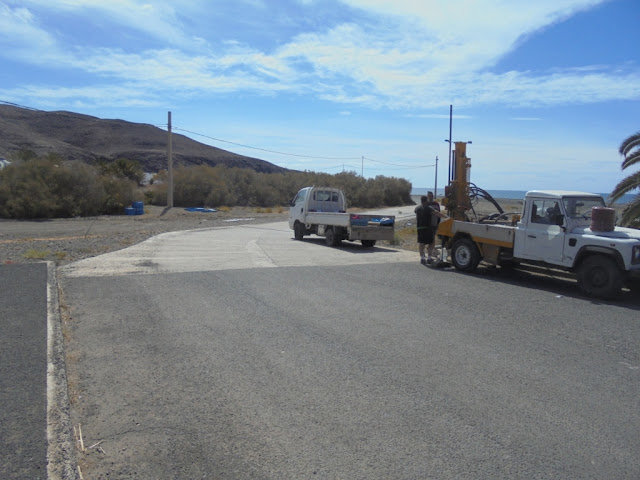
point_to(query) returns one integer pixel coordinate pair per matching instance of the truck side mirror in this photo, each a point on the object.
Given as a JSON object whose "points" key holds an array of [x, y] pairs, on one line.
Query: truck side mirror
{"points": [[559, 220]]}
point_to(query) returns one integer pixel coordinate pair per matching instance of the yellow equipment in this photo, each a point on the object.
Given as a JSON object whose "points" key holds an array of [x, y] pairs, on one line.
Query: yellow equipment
{"points": [[457, 195]]}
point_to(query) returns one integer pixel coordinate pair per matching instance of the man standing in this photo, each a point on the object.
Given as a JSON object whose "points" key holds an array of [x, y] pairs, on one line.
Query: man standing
{"points": [[427, 218]]}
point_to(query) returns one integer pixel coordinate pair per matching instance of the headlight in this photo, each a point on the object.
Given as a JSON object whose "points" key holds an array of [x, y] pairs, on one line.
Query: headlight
{"points": [[635, 255]]}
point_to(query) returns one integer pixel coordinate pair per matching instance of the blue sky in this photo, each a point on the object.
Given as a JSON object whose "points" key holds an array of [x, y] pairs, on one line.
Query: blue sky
{"points": [[546, 90]]}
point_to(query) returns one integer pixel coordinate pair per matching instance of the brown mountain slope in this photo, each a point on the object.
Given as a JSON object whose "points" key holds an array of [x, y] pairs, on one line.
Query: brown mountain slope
{"points": [[82, 137]]}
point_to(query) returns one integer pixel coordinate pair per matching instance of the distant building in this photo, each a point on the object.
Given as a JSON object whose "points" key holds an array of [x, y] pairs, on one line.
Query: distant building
{"points": [[4, 162]]}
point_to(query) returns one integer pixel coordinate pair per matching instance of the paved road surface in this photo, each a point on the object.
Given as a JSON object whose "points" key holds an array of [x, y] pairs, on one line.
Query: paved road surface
{"points": [[247, 246], [23, 371], [240, 353]]}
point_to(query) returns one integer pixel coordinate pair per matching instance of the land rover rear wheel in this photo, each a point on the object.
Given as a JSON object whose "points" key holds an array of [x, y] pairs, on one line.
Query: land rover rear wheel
{"points": [[465, 255]]}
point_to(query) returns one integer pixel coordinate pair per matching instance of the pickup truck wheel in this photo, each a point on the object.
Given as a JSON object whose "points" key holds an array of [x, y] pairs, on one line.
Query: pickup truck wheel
{"points": [[368, 243], [465, 255], [331, 238], [298, 231], [600, 276]]}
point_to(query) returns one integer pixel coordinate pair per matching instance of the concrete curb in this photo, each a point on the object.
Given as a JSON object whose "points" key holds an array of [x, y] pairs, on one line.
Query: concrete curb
{"points": [[61, 454]]}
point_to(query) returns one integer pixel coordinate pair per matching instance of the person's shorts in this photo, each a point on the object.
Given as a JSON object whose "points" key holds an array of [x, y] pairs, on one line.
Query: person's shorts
{"points": [[426, 235]]}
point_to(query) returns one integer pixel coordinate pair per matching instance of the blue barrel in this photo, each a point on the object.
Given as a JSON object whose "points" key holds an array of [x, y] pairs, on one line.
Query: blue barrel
{"points": [[138, 207], [129, 211]]}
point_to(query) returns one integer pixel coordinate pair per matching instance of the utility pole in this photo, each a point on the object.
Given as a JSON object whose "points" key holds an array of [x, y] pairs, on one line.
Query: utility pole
{"points": [[362, 168], [169, 166], [435, 188], [450, 126]]}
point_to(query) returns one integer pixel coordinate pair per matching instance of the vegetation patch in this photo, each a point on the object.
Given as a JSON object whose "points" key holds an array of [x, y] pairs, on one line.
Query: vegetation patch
{"points": [[34, 254], [52, 187]]}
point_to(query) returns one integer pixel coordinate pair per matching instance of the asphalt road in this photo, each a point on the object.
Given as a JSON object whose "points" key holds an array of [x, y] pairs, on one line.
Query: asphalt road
{"points": [[240, 353], [23, 371]]}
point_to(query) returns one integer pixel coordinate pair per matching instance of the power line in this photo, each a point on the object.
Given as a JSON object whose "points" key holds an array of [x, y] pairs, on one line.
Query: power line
{"points": [[164, 125], [398, 164], [404, 166], [381, 169], [265, 149], [20, 106]]}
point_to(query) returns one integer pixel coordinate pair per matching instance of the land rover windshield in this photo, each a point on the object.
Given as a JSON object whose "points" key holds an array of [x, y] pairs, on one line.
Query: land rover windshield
{"points": [[580, 207]]}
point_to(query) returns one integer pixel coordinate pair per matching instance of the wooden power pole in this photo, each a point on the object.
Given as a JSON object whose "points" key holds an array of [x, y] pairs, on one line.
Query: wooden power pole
{"points": [[169, 166]]}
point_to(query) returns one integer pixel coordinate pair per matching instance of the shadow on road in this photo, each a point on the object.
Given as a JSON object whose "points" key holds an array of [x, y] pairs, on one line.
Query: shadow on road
{"points": [[541, 279], [349, 247]]}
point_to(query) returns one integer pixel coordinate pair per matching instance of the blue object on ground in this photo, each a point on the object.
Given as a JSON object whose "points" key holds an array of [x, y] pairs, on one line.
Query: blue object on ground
{"points": [[138, 207], [200, 209]]}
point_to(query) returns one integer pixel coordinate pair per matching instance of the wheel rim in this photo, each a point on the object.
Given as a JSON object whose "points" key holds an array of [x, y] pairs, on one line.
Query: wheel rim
{"points": [[599, 277], [463, 256], [329, 236]]}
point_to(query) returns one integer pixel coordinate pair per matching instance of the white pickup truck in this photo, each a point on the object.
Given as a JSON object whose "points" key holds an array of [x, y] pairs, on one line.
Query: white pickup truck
{"points": [[322, 211], [554, 230]]}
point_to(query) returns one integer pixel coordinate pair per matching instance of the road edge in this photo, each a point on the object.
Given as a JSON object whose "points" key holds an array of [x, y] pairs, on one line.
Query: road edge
{"points": [[61, 459]]}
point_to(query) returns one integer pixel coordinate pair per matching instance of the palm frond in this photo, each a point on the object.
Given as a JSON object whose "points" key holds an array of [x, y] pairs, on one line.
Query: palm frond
{"points": [[629, 143], [631, 214], [625, 186], [631, 159]]}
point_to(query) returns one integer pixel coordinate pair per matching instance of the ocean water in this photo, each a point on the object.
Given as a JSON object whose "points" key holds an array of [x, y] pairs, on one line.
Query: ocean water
{"points": [[517, 194]]}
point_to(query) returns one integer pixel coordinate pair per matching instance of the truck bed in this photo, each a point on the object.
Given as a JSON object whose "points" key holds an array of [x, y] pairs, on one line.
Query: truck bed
{"points": [[499, 235], [371, 227], [359, 226], [335, 219]]}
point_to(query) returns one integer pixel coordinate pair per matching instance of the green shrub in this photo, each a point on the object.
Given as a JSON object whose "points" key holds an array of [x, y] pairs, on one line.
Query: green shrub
{"points": [[215, 186], [47, 187]]}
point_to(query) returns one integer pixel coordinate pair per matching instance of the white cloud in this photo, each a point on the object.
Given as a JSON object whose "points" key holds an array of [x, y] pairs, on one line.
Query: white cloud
{"points": [[20, 34], [419, 55], [125, 95], [158, 19]]}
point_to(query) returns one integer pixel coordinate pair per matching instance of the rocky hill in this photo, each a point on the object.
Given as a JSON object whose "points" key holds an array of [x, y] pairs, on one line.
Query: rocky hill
{"points": [[82, 137]]}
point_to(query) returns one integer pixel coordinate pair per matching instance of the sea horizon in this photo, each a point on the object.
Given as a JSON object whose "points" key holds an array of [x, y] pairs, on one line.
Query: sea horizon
{"points": [[515, 194]]}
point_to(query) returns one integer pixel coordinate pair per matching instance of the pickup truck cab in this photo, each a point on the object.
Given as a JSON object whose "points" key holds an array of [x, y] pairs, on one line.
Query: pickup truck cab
{"points": [[322, 211], [555, 229]]}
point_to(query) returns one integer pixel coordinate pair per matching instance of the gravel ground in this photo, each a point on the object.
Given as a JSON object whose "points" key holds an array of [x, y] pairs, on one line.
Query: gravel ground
{"points": [[69, 239]]}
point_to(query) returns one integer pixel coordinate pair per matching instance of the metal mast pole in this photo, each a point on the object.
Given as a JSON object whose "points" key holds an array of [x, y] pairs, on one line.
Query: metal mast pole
{"points": [[435, 188]]}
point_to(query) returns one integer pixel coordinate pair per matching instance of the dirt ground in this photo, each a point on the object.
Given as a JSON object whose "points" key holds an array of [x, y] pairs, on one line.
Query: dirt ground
{"points": [[66, 240]]}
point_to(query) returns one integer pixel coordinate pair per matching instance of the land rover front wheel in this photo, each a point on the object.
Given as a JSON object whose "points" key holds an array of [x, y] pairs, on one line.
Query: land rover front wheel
{"points": [[599, 276]]}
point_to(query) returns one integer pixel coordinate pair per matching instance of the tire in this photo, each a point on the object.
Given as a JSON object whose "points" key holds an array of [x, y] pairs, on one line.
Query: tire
{"points": [[298, 231], [465, 255], [599, 276], [331, 238], [368, 243]]}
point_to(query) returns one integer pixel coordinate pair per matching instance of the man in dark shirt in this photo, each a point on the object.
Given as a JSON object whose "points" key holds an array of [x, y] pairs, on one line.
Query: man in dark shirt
{"points": [[427, 217]]}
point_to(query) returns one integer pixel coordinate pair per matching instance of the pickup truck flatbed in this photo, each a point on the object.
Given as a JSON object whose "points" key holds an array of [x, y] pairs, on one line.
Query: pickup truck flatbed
{"points": [[322, 211]]}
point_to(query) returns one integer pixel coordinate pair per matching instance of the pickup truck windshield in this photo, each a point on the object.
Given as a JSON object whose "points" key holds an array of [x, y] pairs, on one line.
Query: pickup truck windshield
{"points": [[580, 207]]}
